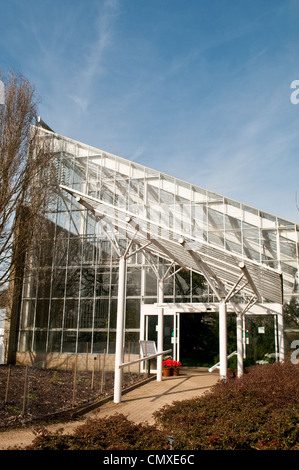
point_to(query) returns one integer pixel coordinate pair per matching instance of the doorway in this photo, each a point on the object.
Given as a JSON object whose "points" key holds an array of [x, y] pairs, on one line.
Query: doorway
{"points": [[171, 334], [199, 342]]}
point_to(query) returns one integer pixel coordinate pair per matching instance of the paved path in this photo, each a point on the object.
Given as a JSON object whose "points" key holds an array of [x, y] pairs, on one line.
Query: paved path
{"points": [[138, 405], [141, 403]]}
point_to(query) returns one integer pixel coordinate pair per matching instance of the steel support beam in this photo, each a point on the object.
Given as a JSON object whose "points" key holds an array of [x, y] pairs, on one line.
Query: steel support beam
{"points": [[280, 328], [223, 340], [240, 363], [160, 329], [119, 347]]}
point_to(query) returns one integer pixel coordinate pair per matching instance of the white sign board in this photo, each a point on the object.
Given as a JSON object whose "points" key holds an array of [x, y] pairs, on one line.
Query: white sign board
{"points": [[148, 348]]}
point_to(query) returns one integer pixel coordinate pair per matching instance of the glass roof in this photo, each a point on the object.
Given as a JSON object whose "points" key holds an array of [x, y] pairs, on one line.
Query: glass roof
{"points": [[185, 223]]}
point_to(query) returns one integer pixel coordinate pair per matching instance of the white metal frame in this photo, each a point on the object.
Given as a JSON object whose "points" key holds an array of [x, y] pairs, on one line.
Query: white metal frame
{"points": [[187, 253], [161, 309]]}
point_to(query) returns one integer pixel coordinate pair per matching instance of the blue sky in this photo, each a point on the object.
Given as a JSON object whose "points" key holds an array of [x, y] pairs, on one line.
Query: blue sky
{"points": [[197, 89]]}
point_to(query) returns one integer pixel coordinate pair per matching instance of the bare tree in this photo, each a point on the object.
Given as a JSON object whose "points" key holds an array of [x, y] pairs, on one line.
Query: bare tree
{"points": [[23, 164]]}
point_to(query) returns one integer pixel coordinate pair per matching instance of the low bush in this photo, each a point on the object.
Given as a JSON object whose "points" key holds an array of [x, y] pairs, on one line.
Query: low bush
{"points": [[257, 411], [110, 433]]}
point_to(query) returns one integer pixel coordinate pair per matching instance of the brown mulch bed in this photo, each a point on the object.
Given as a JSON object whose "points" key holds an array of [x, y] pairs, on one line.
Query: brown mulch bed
{"points": [[50, 394]]}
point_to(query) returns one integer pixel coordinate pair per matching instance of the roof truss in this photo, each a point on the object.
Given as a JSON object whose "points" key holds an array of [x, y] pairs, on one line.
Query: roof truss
{"points": [[225, 272]]}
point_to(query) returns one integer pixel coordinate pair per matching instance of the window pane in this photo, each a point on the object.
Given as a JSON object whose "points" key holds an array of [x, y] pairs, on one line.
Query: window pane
{"points": [[25, 341], [72, 285], [101, 313], [40, 339], [99, 342], [28, 311], [133, 281], [71, 313], [86, 313], [84, 342], [132, 313], [87, 282], [42, 313], [56, 313], [54, 341], [69, 341]]}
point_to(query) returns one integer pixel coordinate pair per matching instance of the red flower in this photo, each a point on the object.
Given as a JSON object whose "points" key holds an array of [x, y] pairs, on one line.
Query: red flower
{"points": [[167, 363], [176, 364], [171, 363]]}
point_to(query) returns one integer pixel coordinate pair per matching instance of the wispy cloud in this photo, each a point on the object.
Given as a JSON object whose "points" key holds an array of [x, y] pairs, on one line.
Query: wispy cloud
{"points": [[92, 65]]}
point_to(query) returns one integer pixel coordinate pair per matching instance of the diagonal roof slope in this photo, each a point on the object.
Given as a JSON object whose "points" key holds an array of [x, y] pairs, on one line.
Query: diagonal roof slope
{"points": [[196, 228]]}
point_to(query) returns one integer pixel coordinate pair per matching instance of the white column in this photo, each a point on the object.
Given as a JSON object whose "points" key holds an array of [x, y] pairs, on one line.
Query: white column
{"points": [[119, 346], [275, 338], [240, 367], [281, 347], [178, 335], [222, 340], [244, 336], [160, 330], [174, 339]]}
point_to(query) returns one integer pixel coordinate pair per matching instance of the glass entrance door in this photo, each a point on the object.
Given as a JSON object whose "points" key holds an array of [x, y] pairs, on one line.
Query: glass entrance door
{"points": [[149, 332]]}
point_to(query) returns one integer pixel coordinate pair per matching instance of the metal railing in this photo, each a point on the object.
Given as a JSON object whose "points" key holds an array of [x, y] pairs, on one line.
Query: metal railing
{"points": [[217, 366]]}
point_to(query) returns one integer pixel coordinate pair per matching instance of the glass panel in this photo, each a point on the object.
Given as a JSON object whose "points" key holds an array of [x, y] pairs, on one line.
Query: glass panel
{"points": [[150, 282], [28, 313], [58, 282], [40, 340], [84, 342], [61, 249], [72, 284], [103, 284], [74, 253], [169, 286], [44, 283], [113, 313], [25, 341], [42, 313], [56, 313], [101, 315], [69, 341], [131, 344], [99, 342], [54, 341], [71, 313], [132, 313], [46, 254], [87, 282], [168, 332], [111, 346], [133, 281], [261, 337], [30, 284], [89, 251], [198, 284], [182, 282], [86, 313]]}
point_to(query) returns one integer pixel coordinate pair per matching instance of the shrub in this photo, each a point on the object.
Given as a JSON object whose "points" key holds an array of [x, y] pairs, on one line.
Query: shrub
{"points": [[257, 411], [111, 433]]}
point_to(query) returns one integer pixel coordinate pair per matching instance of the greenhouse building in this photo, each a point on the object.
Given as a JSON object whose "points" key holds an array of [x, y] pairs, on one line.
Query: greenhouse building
{"points": [[136, 255]]}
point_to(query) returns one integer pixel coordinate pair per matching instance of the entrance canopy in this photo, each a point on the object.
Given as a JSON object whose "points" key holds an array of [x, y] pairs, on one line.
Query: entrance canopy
{"points": [[226, 272]]}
